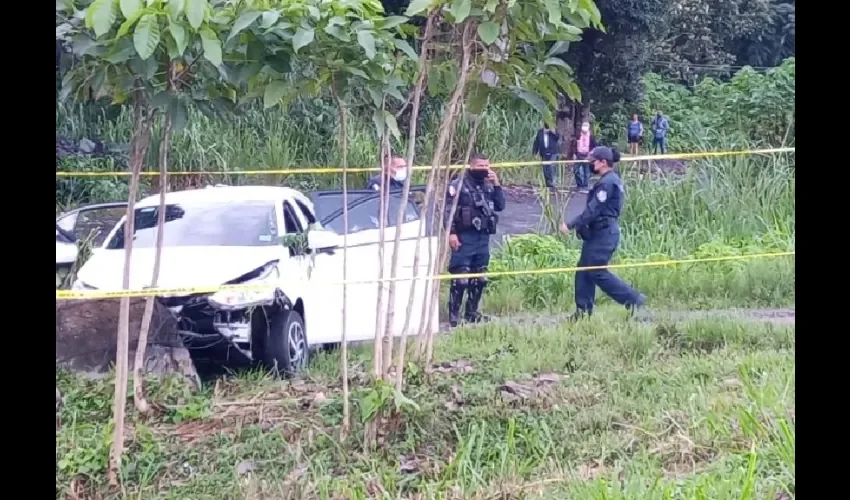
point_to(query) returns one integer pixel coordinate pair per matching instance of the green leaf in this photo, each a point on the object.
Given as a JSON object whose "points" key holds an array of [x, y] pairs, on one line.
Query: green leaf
{"points": [[179, 115], [378, 120], [460, 9], [302, 38], [558, 47], [269, 18], [488, 32], [130, 7], [128, 23], [556, 61], [274, 92], [417, 6], [337, 32], [553, 7], [393, 21], [195, 10], [533, 99], [358, 72], [243, 22], [477, 99], [211, 45], [491, 5], [406, 48], [367, 41], [101, 15], [174, 8], [392, 124], [178, 33], [146, 36]]}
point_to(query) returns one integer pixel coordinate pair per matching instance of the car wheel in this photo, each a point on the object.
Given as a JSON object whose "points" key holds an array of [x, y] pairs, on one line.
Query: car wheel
{"points": [[286, 350]]}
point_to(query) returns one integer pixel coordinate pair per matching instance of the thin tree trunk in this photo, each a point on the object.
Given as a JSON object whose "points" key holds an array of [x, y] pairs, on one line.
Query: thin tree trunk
{"points": [[411, 151], [138, 368], [343, 142], [141, 140], [453, 111]]}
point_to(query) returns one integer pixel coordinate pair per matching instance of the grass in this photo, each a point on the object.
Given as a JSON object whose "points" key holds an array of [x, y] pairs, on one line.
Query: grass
{"points": [[605, 409]]}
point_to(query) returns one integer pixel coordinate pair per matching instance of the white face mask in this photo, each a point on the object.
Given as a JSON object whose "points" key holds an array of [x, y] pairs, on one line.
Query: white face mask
{"points": [[585, 128], [400, 175]]}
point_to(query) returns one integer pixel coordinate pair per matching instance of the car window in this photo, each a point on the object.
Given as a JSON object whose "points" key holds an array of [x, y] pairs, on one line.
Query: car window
{"points": [[291, 222], [306, 212], [243, 223], [366, 215]]}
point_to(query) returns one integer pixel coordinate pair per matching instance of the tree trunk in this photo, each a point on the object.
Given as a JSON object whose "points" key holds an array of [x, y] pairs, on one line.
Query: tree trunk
{"points": [[138, 382], [141, 141], [343, 144]]}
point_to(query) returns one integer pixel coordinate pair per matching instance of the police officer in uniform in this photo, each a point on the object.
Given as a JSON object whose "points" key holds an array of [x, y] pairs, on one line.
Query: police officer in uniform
{"points": [[599, 230], [396, 171], [474, 221]]}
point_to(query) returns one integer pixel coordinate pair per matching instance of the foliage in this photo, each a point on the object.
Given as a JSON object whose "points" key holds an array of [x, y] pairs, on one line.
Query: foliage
{"points": [[608, 63], [726, 32], [758, 106]]}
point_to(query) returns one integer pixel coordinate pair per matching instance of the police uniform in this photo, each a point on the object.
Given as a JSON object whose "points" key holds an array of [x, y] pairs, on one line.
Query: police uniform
{"points": [[599, 229], [374, 183], [474, 221]]}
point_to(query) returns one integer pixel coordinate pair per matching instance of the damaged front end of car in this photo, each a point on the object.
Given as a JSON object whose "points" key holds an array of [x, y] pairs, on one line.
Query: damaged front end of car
{"points": [[233, 316]]}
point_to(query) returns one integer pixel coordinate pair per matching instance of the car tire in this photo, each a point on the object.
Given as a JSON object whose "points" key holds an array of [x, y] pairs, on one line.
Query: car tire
{"points": [[286, 351]]}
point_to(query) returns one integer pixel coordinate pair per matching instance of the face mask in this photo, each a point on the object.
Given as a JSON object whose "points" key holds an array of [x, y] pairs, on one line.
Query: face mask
{"points": [[479, 174], [585, 128], [400, 175]]}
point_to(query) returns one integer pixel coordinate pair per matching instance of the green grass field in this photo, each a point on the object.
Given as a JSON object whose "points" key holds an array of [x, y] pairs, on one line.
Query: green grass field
{"points": [[605, 409]]}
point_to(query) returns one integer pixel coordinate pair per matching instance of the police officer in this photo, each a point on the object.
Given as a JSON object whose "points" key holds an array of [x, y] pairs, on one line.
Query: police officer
{"points": [[396, 171], [597, 226], [475, 219]]}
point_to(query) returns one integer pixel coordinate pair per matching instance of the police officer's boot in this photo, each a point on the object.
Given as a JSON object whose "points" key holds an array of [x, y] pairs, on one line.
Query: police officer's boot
{"points": [[579, 314], [473, 299], [456, 300]]}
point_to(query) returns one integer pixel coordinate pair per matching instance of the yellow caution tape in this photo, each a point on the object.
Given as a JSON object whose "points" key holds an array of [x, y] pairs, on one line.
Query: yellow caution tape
{"points": [[153, 292], [336, 170]]}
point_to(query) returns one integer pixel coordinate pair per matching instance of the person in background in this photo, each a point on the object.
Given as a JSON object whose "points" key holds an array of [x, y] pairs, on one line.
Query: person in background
{"points": [[397, 172], [585, 142], [546, 145], [660, 127], [635, 134], [599, 230], [474, 220]]}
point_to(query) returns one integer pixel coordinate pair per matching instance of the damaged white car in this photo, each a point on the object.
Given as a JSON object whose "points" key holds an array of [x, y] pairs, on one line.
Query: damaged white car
{"points": [[275, 236]]}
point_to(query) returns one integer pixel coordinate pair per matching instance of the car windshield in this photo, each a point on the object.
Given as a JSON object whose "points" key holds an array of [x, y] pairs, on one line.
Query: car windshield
{"points": [[362, 215], [231, 224]]}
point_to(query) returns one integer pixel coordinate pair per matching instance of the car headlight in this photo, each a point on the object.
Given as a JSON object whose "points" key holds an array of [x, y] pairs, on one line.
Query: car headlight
{"points": [[238, 299], [79, 286]]}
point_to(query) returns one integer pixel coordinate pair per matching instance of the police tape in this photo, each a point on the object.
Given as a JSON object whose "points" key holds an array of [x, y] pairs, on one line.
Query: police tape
{"points": [[181, 291], [508, 164]]}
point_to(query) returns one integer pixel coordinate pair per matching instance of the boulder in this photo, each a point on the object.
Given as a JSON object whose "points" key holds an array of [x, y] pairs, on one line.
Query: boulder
{"points": [[86, 336]]}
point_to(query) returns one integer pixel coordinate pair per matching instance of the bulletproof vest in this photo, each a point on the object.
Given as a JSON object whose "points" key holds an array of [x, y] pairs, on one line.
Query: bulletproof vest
{"points": [[471, 214]]}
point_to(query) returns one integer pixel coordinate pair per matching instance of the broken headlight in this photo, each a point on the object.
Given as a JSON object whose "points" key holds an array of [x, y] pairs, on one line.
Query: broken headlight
{"points": [[238, 299]]}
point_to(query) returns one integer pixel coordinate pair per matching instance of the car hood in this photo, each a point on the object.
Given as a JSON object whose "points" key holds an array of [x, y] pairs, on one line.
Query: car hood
{"points": [[179, 266]]}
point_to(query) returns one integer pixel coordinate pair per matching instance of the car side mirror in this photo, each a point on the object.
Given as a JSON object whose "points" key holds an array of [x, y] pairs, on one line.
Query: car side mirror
{"points": [[323, 241]]}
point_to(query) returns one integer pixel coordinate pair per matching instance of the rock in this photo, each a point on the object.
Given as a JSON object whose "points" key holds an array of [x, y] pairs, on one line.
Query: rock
{"points": [[87, 146], [86, 335]]}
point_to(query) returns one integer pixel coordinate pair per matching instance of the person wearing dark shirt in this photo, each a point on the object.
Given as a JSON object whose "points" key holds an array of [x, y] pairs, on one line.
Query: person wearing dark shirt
{"points": [[546, 145], [397, 172], [599, 230]]}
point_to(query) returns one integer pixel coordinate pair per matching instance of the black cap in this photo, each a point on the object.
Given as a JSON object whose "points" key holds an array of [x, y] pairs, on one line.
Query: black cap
{"points": [[601, 153]]}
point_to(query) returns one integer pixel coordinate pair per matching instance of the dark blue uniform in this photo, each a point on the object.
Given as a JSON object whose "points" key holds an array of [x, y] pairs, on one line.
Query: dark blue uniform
{"points": [[597, 226], [473, 223], [374, 183]]}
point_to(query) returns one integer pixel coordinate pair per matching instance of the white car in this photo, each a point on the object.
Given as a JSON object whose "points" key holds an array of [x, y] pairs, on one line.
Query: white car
{"points": [[90, 222], [256, 235]]}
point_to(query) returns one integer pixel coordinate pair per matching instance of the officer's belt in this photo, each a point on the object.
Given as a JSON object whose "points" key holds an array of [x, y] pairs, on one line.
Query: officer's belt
{"points": [[602, 223]]}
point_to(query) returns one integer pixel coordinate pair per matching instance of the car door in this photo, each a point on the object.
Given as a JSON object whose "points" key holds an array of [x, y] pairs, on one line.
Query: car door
{"points": [[295, 264], [363, 243], [86, 226]]}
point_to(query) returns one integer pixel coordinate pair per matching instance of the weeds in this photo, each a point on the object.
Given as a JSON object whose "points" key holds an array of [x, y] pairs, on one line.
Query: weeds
{"points": [[608, 409]]}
